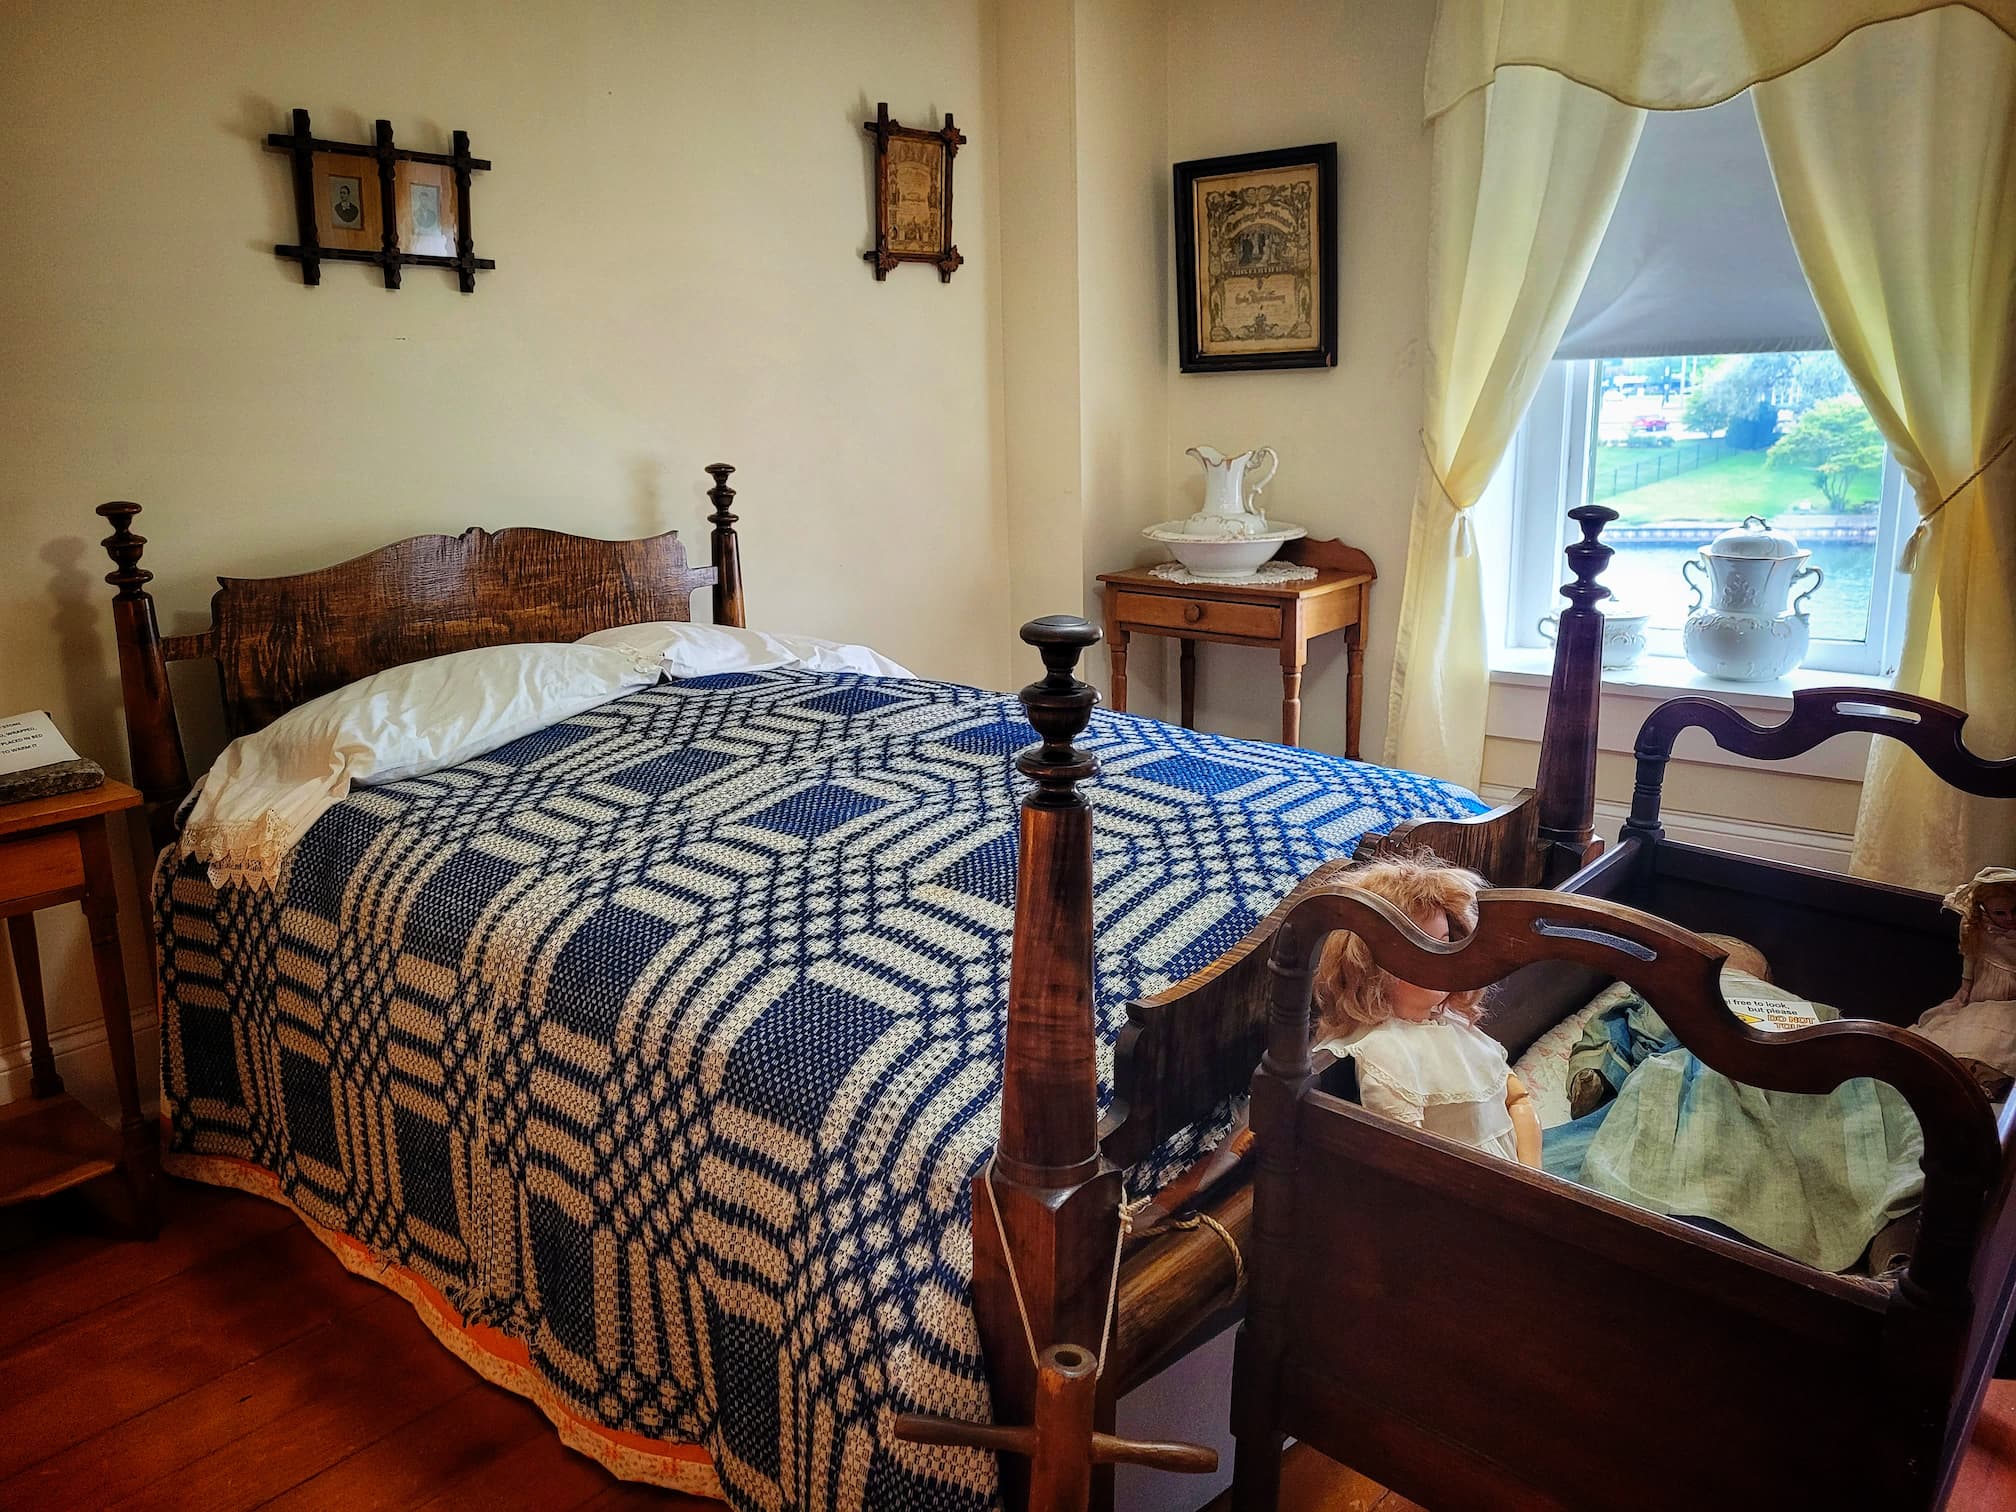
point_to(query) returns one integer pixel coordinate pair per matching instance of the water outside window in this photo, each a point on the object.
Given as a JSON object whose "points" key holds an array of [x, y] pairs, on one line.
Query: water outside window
{"points": [[1688, 446]]}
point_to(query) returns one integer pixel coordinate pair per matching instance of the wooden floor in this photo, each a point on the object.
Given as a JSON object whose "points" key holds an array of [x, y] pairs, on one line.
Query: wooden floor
{"points": [[233, 1363]]}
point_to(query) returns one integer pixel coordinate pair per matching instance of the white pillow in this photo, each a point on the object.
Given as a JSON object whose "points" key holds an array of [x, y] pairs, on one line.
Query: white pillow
{"points": [[269, 787], [702, 650]]}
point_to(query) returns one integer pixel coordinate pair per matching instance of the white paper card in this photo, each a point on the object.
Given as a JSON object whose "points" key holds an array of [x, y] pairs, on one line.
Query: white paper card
{"points": [[31, 740]]}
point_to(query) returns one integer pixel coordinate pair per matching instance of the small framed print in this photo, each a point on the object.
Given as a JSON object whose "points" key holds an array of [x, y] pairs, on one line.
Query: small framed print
{"points": [[1256, 260], [374, 202], [425, 194], [913, 195], [346, 203]]}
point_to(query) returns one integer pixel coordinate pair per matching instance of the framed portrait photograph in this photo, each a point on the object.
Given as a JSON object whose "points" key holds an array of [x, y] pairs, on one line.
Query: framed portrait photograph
{"points": [[425, 195], [347, 212], [1256, 260], [380, 204], [913, 195]]}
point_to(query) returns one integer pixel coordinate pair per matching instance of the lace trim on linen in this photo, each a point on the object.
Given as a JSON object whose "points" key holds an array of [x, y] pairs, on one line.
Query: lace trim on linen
{"points": [[1267, 572], [250, 851]]}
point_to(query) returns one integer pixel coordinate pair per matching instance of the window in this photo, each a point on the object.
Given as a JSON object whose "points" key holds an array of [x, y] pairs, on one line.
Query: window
{"points": [[1686, 447]]}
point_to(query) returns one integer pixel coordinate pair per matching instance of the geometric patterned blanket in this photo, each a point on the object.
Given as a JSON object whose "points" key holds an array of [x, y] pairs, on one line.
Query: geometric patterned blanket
{"points": [[667, 1039]]}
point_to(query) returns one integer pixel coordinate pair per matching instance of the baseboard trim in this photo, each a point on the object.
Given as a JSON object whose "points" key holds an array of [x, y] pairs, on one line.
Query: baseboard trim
{"points": [[1822, 849], [84, 1062]]}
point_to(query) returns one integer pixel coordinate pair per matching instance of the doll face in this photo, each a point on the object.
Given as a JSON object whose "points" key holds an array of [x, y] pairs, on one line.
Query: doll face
{"points": [[1418, 1004], [1998, 907]]}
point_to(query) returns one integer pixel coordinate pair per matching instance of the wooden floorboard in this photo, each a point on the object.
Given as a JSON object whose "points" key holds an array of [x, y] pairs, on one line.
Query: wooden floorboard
{"points": [[233, 1363]]}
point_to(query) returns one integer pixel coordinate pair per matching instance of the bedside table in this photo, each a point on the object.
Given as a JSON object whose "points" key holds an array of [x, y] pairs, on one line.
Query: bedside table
{"points": [[56, 850], [1284, 616]]}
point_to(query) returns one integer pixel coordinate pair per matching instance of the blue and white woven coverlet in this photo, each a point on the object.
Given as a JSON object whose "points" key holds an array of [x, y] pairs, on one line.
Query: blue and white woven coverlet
{"points": [[667, 1039]]}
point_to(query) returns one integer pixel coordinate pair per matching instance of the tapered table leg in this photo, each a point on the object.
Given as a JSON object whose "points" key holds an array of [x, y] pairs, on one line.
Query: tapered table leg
{"points": [[1188, 663], [1354, 687], [141, 1142], [1116, 649], [42, 1078]]}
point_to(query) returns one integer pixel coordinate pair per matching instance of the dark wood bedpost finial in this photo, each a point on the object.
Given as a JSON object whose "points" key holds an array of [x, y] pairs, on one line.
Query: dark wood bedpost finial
{"points": [[1048, 1196], [1567, 780], [153, 738], [1049, 1093], [726, 550]]}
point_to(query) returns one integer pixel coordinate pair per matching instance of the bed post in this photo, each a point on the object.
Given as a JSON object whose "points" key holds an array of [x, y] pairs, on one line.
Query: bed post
{"points": [[1046, 1213], [1567, 778], [153, 738], [725, 548]]}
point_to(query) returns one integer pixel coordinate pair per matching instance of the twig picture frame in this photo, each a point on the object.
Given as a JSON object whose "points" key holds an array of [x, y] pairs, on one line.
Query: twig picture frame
{"points": [[376, 202], [913, 195], [1256, 260]]}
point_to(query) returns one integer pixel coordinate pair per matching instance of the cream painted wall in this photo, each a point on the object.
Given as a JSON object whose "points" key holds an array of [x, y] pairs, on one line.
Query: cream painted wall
{"points": [[1759, 797], [1348, 436], [678, 208], [1124, 260]]}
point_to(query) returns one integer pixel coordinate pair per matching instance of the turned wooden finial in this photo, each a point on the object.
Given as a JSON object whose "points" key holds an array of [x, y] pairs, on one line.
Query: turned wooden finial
{"points": [[1060, 706], [124, 547], [1588, 557], [721, 494], [725, 549]]}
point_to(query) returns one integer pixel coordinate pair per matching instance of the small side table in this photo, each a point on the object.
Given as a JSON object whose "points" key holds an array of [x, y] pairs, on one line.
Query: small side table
{"points": [[56, 850], [1286, 616]]}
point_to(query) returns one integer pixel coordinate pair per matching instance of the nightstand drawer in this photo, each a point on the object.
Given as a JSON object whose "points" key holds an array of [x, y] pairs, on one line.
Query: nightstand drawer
{"points": [[1260, 621], [32, 865]]}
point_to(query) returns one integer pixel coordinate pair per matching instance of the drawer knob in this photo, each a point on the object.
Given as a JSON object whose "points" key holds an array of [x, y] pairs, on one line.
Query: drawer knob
{"points": [[1192, 613]]}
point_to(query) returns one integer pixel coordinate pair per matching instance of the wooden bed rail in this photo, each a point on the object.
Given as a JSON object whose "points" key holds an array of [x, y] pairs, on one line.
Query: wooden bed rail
{"points": [[280, 641], [1548, 832], [1678, 973], [1932, 731]]}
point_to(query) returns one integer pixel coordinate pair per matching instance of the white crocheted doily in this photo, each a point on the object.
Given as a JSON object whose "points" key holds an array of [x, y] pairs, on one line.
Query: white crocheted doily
{"points": [[1267, 572]]}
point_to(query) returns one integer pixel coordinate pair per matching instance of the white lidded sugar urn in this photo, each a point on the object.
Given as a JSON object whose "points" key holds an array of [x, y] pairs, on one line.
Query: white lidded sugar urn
{"points": [[1743, 632]]}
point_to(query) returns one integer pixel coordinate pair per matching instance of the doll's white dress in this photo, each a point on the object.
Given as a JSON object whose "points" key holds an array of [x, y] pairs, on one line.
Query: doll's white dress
{"points": [[1982, 1028], [1443, 1075]]}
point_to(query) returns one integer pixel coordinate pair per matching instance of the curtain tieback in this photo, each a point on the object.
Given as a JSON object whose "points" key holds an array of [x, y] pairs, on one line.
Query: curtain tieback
{"points": [[1915, 543], [1466, 533]]}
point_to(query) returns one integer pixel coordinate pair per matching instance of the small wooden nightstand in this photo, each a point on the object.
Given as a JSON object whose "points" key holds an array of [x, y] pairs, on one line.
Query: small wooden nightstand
{"points": [[55, 850], [1287, 616]]}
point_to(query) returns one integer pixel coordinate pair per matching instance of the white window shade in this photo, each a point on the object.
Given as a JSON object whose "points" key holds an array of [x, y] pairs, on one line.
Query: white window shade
{"points": [[1696, 259]]}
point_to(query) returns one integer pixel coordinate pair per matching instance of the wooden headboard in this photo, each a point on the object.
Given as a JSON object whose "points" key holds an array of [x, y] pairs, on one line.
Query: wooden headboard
{"points": [[281, 641]]}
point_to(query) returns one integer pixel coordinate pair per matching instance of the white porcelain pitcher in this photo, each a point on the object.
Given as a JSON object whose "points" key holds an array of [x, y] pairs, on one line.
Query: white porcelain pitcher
{"points": [[1227, 494]]}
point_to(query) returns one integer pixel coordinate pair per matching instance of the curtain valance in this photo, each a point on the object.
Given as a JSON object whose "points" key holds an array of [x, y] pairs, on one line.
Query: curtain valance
{"points": [[1655, 54]]}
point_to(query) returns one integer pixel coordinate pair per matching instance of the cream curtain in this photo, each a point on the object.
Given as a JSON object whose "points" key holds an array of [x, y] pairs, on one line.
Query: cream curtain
{"points": [[1895, 158], [1889, 127], [1526, 172]]}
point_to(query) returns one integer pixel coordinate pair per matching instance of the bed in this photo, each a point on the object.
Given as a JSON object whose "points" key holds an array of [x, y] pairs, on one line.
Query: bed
{"points": [[713, 1239]]}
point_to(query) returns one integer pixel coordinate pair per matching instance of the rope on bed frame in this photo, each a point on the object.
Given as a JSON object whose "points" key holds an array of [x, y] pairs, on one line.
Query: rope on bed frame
{"points": [[1190, 1222], [1015, 1281]]}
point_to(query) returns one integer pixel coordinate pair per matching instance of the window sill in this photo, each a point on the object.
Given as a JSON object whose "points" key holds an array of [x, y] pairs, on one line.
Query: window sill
{"points": [[1517, 709], [1658, 678]]}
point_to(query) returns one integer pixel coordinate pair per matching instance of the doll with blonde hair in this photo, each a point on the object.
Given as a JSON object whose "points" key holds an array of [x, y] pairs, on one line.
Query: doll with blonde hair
{"points": [[1420, 1057]]}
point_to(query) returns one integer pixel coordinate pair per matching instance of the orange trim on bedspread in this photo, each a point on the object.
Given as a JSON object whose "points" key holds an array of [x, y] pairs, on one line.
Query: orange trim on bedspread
{"points": [[490, 1352]]}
